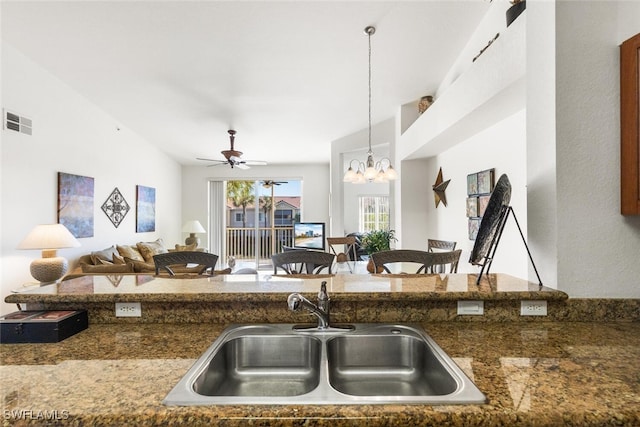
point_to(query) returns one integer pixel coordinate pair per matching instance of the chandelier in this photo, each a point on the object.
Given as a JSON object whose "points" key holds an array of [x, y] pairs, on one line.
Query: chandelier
{"points": [[370, 171]]}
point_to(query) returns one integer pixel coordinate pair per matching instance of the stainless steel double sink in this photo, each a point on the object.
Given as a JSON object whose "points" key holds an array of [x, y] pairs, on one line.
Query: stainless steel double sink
{"points": [[288, 364]]}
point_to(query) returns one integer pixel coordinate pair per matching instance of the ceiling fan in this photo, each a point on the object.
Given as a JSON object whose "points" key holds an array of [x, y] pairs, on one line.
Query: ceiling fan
{"points": [[270, 183], [233, 157]]}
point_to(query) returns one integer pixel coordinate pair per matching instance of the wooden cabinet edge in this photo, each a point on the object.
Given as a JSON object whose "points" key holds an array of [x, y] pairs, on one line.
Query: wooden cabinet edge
{"points": [[630, 126]]}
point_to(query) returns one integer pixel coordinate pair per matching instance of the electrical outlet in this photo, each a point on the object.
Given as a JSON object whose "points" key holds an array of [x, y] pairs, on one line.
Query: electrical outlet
{"points": [[533, 308], [471, 307], [128, 309]]}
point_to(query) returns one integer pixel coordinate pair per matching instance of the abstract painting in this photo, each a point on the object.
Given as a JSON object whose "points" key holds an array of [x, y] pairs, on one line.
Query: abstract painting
{"points": [[145, 209], [116, 207], [75, 203]]}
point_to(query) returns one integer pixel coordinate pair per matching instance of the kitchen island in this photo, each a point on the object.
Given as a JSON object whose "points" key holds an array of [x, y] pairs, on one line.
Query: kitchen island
{"points": [[543, 373], [535, 370]]}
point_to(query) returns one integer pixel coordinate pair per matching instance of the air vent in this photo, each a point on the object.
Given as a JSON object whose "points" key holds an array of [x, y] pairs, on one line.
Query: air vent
{"points": [[13, 121]]}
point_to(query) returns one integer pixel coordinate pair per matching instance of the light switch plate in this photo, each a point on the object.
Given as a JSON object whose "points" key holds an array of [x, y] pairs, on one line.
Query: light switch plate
{"points": [[533, 308], [128, 309], [471, 307]]}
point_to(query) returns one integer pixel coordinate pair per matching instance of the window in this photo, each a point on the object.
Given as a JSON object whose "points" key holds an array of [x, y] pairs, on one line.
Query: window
{"points": [[283, 217], [373, 213], [238, 216]]}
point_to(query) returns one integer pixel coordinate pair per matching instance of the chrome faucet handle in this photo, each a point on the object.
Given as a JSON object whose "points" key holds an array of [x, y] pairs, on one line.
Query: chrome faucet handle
{"points": [[323, 299], [322, 295]]}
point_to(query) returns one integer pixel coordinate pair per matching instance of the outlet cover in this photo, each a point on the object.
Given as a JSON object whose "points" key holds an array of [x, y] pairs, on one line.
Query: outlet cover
{"points": [[128, 309], [533, 308], [471, 307]]}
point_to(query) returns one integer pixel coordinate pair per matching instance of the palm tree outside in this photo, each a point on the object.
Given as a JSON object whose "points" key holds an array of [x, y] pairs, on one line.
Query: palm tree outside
{"points": [[241, 195]]}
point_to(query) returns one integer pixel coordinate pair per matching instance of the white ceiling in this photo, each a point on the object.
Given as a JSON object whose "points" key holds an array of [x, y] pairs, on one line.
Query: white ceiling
{"points": [[289, 76]]}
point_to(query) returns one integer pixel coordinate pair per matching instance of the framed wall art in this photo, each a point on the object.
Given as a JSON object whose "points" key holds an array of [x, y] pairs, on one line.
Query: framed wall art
{"points": [[75, 203], [472, 184], [479, 188], [145, 209], [474, 226], [472, 207], [115, 207], [483, 201], [485, 181]]}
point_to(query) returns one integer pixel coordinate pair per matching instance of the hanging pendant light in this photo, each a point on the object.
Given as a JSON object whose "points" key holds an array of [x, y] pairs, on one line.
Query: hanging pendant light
{"points": [[370, 171]]}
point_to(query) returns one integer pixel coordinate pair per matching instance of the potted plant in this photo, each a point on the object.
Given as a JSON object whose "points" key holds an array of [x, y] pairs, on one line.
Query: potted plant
{"points": [[376, 241]]}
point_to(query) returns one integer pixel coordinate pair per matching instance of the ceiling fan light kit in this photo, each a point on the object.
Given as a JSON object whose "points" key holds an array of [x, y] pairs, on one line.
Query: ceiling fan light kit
{"points": [[234, 157], [378, 172]]}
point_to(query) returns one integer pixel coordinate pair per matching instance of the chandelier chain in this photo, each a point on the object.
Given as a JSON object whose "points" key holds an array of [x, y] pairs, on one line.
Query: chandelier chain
{"points": [[369, 37]]}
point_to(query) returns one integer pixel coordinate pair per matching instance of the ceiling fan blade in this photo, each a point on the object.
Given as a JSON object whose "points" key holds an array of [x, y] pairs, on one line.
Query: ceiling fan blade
{"points": [[255, 162], [209, 160]]}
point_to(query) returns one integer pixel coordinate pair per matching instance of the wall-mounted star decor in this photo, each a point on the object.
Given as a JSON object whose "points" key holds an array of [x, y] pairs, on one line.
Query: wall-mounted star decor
{"points": [[438, 189]]}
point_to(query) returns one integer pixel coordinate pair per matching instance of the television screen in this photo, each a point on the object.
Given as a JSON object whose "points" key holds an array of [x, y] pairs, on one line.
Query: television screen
{"points": [[308, 235]]}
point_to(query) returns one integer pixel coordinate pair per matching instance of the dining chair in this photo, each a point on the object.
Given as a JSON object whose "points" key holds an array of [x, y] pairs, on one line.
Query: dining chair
{"points": [[442, 245], [435, 245], [169, 260], [426, 260], [347, 252], [405, 256], [438, 261], [302, 262]]}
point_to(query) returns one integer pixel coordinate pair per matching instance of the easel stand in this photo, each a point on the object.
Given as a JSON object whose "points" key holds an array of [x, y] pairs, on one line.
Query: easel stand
{"points": [[504, 215]]}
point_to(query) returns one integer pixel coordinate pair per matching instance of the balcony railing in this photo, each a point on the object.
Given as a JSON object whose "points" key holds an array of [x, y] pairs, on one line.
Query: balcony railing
{"points": [[241, 242]]}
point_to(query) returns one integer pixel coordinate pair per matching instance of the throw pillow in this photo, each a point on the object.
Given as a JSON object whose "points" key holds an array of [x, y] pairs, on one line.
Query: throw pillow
{"points": [[103, 262], [149, 249], [141, 266], [105, 254], [117, 259], [109, 269], [182, 248], [130, 252]]}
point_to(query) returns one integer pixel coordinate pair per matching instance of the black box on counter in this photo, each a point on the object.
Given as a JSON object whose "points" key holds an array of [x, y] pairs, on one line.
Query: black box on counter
{"points": [[41, 326]]}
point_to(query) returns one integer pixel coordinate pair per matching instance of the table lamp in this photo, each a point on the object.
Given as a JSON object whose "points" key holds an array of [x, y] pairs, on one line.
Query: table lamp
{"points": [[193, 227], [49, 238]]}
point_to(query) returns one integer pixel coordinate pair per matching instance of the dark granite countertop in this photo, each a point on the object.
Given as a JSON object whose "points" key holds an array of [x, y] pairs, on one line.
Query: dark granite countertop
{"points": [[542, 373], [268, 287]]}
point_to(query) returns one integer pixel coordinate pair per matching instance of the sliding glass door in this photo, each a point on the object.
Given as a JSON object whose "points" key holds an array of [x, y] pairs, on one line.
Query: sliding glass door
{"points": [[259, 217]]}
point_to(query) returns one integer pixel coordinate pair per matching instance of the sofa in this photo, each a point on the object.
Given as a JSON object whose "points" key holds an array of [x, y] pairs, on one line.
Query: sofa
{"points": [[137, 258]]}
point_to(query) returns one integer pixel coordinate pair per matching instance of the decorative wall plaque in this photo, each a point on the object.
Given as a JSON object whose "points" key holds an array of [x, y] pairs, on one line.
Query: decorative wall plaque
{"points": [[115, 207]]}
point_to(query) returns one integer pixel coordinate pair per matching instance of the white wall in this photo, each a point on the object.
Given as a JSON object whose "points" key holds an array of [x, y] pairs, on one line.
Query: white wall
{"points": [[542, 193], [501, 147], [72, 135], [598, 249]]}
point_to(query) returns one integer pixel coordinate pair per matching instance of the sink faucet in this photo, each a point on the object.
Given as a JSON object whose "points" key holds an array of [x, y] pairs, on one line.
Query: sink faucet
{"points": [[296, 302]]}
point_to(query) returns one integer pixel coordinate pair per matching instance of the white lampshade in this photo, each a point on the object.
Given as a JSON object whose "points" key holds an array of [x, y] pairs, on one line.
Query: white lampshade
{"points": [[193, 226], [49, 238]]}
